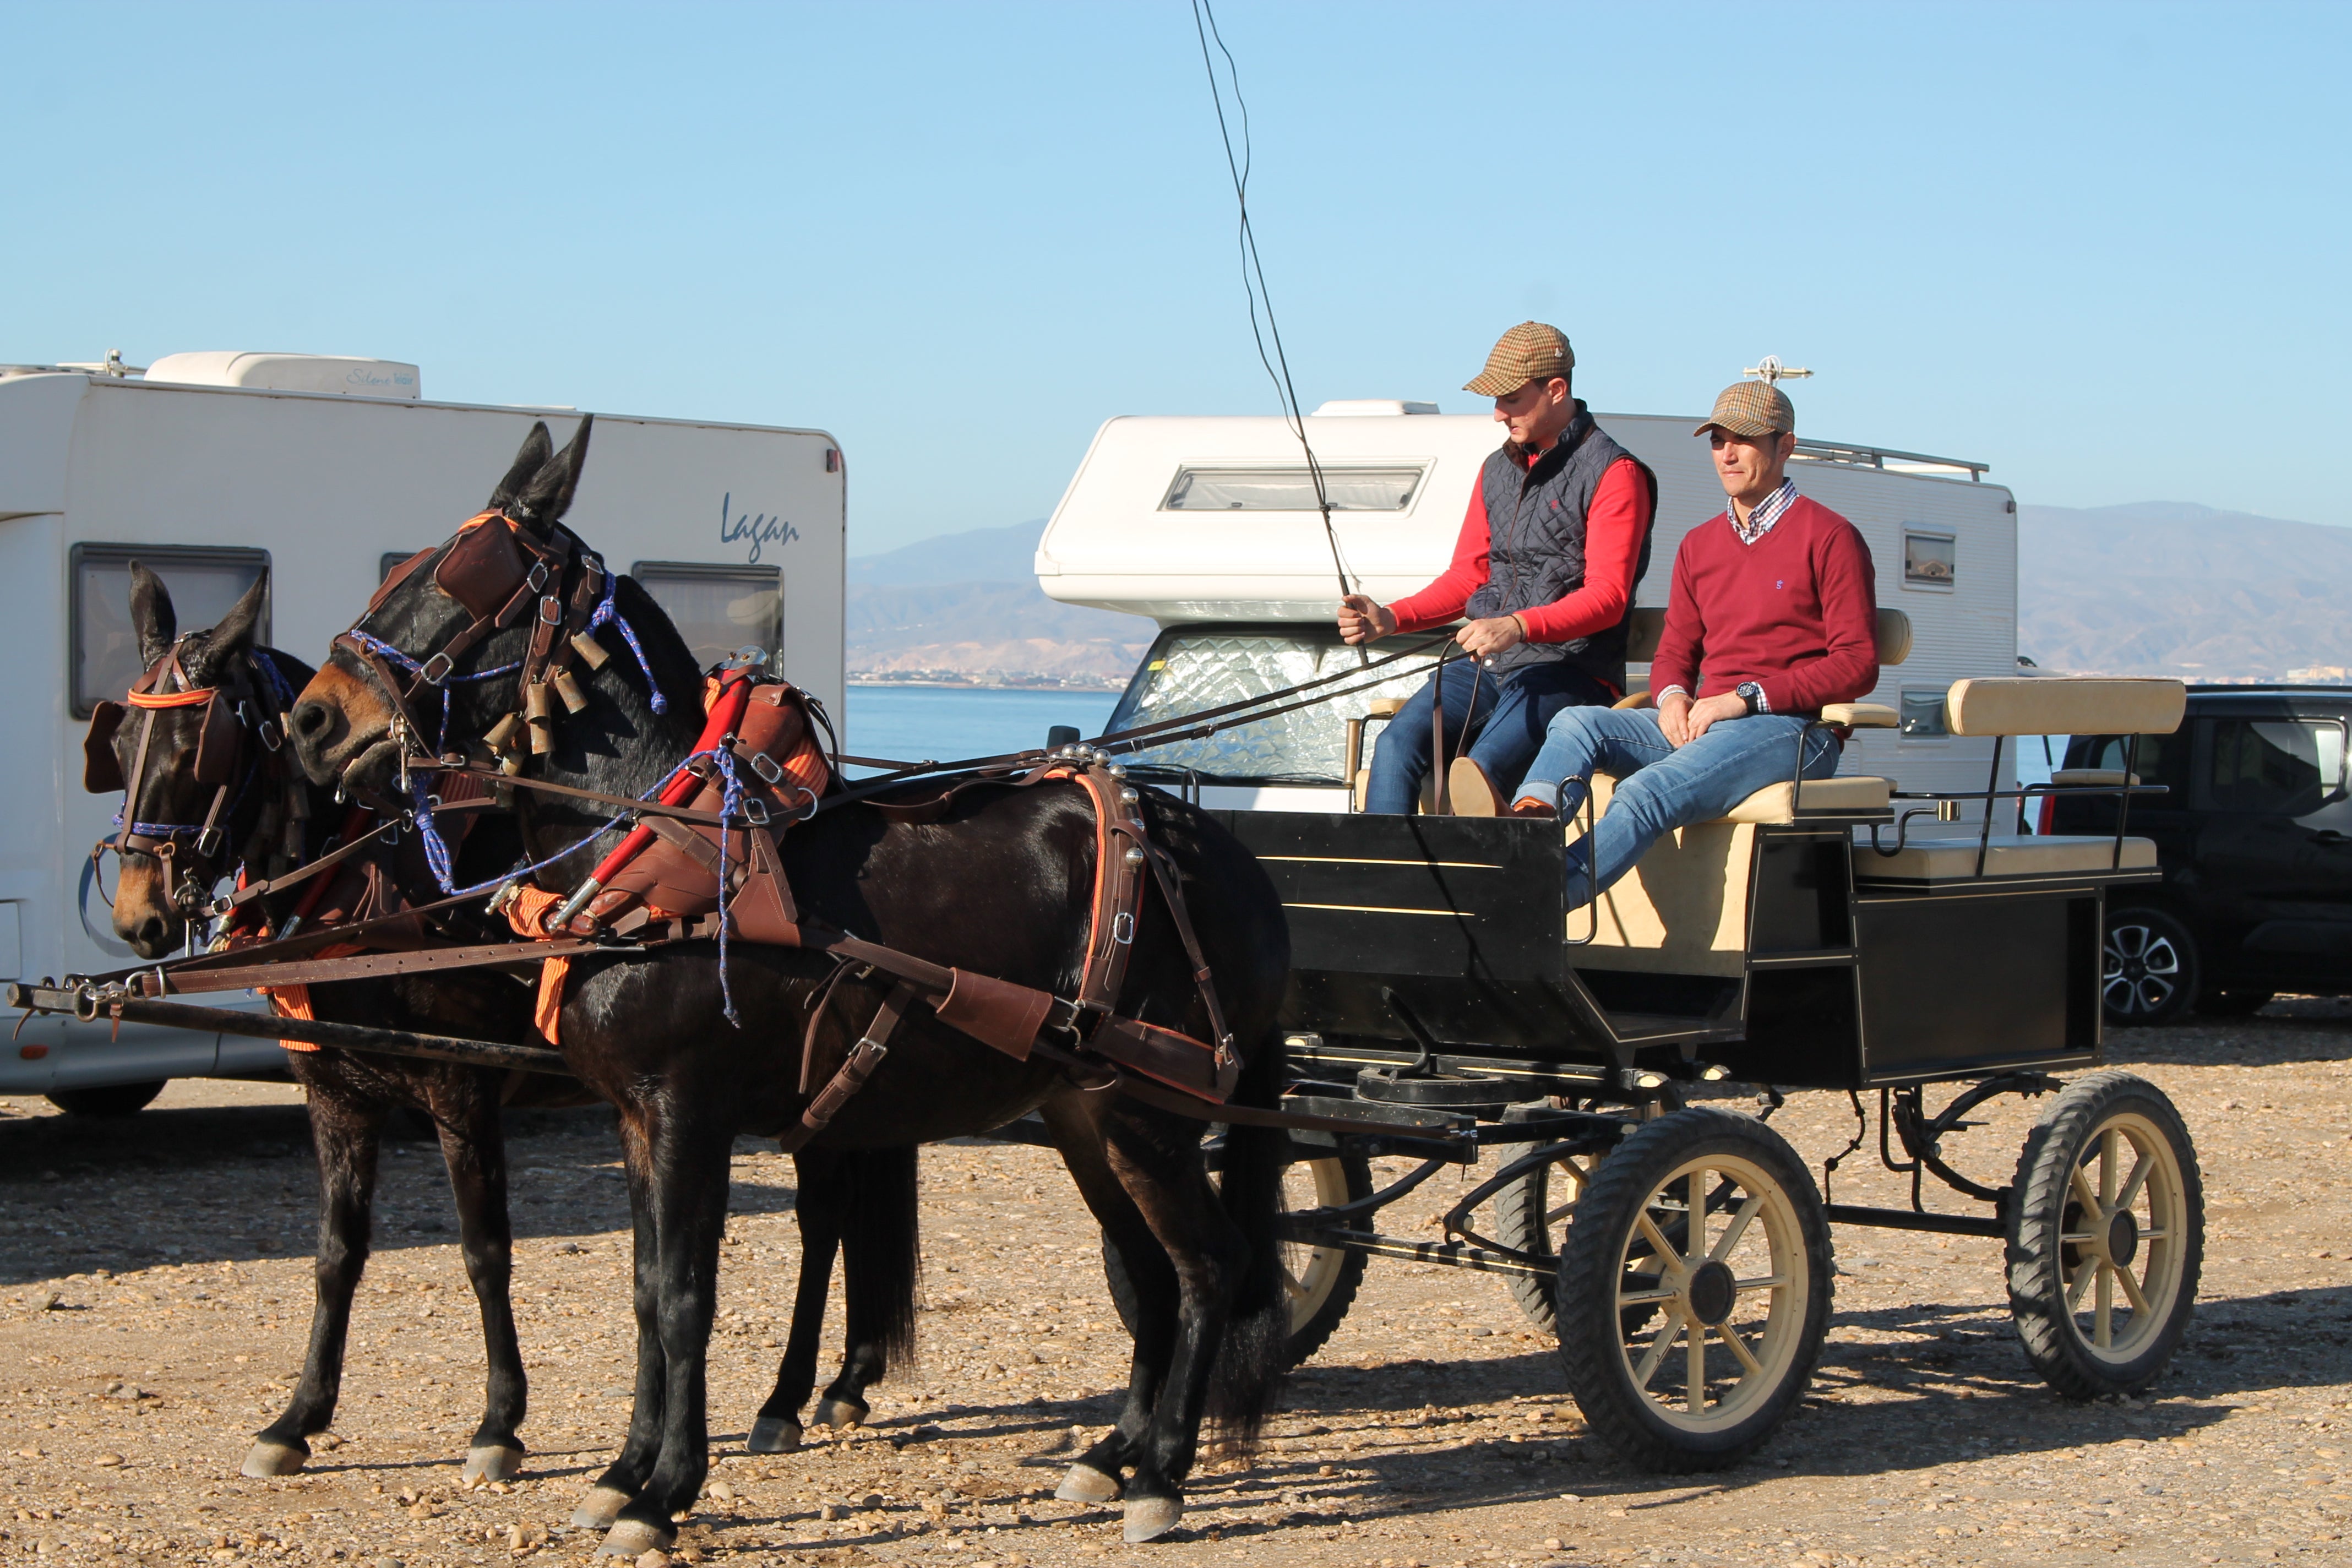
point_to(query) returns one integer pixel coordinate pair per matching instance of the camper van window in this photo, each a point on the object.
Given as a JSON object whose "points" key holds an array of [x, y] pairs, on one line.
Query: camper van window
{"points": [[1193, 668], [1931, 560], [1292, 489], [718, 609], [1923, 712], [205, 584]]}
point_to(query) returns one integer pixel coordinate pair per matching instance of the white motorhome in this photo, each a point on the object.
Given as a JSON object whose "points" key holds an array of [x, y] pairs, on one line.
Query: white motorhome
{"points": [[210, 467], [1209, 526]]}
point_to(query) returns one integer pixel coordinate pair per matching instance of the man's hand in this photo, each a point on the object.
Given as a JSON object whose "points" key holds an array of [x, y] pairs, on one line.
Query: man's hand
{"points": [[1364, 619], [1485, 639], [1684, 721]]}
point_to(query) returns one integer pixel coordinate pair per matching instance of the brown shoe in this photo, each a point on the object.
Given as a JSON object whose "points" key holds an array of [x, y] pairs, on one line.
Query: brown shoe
{"points": [[1471, 792]]}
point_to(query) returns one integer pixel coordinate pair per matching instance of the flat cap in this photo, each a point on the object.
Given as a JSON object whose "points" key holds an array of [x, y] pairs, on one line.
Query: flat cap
{"points": [[1529, 352], [1752, 409]]}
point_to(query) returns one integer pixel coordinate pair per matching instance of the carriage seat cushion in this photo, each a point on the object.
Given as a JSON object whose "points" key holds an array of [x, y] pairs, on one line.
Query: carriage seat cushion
{"points": [[1955, 860], [1774, 804]]}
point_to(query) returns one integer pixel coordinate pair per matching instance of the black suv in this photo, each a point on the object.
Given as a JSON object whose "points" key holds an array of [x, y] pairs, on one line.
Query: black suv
{"points": [[2255, 840]]}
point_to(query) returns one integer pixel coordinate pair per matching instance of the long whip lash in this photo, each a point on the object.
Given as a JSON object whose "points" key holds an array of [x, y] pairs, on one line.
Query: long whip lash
{"points": [[1277, 364]]}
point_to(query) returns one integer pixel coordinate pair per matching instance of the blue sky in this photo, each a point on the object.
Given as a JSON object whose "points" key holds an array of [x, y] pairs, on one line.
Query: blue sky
{"points": [[2102, 248]]}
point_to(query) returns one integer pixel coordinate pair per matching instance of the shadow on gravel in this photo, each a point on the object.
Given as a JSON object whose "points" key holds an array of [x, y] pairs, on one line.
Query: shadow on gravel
{"points": [[2291, 1030], [237, 1184]]}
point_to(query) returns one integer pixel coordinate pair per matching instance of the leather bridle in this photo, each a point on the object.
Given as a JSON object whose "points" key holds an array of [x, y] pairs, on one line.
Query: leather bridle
{"points": [[500, 575]]}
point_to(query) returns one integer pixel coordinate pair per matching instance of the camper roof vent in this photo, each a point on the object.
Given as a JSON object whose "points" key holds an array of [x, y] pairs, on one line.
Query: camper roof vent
{"points": [[1354, 407], [289, 373]]}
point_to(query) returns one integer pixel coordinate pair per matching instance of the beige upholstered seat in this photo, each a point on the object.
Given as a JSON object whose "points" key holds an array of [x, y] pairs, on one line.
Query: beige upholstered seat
{"points": [[1776, 804], [1955, 860]]}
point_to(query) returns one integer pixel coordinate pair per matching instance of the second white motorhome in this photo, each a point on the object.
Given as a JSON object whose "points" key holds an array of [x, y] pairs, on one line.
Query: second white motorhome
{"points": [[1209, 526]]}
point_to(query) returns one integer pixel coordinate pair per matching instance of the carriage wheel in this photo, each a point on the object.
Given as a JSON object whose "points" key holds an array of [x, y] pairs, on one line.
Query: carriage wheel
{"points": [[1531, 1216], [1694, 1290], [2106, 1236], [1320, 1281]]}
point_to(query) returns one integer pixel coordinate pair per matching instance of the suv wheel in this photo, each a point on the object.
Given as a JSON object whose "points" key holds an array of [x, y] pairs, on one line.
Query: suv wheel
{"points": [[2151, 969]]}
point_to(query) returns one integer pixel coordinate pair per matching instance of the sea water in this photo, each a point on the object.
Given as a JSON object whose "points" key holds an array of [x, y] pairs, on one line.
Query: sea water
{"points": [[943, 723]]}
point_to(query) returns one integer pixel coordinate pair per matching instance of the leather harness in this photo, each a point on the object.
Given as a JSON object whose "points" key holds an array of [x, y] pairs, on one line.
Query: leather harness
{"points": [[496, 573]]}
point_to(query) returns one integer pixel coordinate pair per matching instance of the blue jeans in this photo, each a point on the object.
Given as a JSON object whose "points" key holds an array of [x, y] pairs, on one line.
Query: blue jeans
{"points": [[1661, 787], [1513, 711]]}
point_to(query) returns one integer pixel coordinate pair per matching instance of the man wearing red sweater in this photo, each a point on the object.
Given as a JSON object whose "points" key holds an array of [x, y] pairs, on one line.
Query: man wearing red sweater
{"points": [[1556, 534], [1773, 613]]}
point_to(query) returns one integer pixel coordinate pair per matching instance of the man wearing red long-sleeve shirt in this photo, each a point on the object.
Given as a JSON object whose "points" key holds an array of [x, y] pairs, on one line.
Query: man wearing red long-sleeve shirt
{"points": [[1773, 613], [1557, 535]]}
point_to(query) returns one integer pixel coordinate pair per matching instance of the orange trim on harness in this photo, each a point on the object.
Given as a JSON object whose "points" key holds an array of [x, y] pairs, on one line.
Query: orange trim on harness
{"points": [[170, 698], [527, 913], [294, 1000]]}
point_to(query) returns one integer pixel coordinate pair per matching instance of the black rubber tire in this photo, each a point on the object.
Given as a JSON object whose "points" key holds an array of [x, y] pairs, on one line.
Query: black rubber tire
{"points": [[1524, 1221], [2058, 1341], [2150, 970], [111, 1099], [1594, 1325], [2233, 1004], [1339, 1272]]}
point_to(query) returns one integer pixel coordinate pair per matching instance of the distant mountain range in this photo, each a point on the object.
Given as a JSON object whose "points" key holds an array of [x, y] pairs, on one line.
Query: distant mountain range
{"points": [[2171, 588], [2152, 588], [966, 608]]}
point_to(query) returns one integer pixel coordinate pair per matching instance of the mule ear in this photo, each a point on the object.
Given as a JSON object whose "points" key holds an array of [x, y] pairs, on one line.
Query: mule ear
{"points": [[549, 495], [151, 616], [529, 460], [234, 632]]}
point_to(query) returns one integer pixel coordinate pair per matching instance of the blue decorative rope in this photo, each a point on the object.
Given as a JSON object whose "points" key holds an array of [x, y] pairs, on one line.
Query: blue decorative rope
{"points": [[385, 651], [607, 612]]}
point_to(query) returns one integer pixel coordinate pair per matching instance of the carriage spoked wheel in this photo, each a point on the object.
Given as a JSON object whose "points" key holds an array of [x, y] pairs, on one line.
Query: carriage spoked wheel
{"points": [[1321, 1281], [1532, 1216], [1694, 1290], [2106, 1236]]}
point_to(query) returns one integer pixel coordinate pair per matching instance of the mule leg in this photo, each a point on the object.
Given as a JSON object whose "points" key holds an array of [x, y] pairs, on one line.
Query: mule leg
{"points": [[1078, 1133], [817, 1201], [881, 1263], [345, 1128], [1160, 1166], [473, 1146], [689, 1169], [625, 1475]]}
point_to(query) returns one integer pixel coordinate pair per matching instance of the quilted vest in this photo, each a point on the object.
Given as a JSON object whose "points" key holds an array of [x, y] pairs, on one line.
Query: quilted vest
{"points": [[1535, 533]]}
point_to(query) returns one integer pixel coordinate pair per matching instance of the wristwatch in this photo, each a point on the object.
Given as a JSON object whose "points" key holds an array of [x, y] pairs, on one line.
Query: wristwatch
{"points": [[1747, 691]]}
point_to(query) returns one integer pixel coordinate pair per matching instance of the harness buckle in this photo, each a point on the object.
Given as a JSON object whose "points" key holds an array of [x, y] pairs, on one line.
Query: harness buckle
{"points": [[536, 577], [272, 737], [755, 811], [551, 608], [435, 669], [210, 842], [1122, 928], [767, 767]]}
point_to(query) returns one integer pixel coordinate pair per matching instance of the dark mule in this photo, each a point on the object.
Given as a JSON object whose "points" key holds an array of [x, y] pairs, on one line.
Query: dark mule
{"points": [[865, 1202], [1000, 886]]}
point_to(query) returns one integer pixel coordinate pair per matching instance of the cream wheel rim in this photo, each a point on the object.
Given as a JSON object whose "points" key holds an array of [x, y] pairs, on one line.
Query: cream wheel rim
{"points": [[2121, 1240], [1710, 1335], [1309, 1273]]}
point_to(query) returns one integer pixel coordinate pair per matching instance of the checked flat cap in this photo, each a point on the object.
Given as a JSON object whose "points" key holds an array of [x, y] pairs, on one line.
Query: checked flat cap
{"points": [[1752, 409], [1529, 352]]}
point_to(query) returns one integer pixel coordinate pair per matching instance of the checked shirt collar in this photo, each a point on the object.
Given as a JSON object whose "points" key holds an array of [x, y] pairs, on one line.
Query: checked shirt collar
{"points": [[1763, 514]]}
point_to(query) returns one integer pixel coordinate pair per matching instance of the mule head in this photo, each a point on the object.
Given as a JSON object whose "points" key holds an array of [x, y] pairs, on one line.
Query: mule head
{"points": [[189, 753], [341, 726]]}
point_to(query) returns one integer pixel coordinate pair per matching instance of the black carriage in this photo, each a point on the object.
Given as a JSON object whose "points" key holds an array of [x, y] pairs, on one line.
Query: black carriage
{"points": [[1811, 940]]}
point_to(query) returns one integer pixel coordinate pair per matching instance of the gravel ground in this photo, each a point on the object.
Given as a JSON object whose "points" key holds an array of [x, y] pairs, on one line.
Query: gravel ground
{"points": [[154, 1276]]}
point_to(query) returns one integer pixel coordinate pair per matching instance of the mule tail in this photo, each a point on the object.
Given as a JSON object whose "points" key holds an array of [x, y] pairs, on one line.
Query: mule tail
{"points": [[882, 1250], [1253, 1358]]}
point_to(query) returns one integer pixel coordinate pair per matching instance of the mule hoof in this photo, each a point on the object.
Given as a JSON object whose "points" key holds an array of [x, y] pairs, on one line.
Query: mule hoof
{"points": [[1084, 1483], [269, 1460], [1149, 1518], [635, 1538], [600, 1507], [833, 1412], [774, 1434], [495, 1462]]}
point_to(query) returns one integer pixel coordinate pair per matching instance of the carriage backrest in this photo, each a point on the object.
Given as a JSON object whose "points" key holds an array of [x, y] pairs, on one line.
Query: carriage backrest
{"points": [[2064, 705]]}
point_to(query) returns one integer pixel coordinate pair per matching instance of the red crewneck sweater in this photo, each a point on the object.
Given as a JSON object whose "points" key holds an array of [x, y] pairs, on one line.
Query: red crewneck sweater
{"points": [[1796, 612]]}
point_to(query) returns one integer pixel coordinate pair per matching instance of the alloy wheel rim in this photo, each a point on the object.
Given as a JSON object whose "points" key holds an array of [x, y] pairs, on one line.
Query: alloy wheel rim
{"points": [[1747, 1246], [2143, 970]]}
